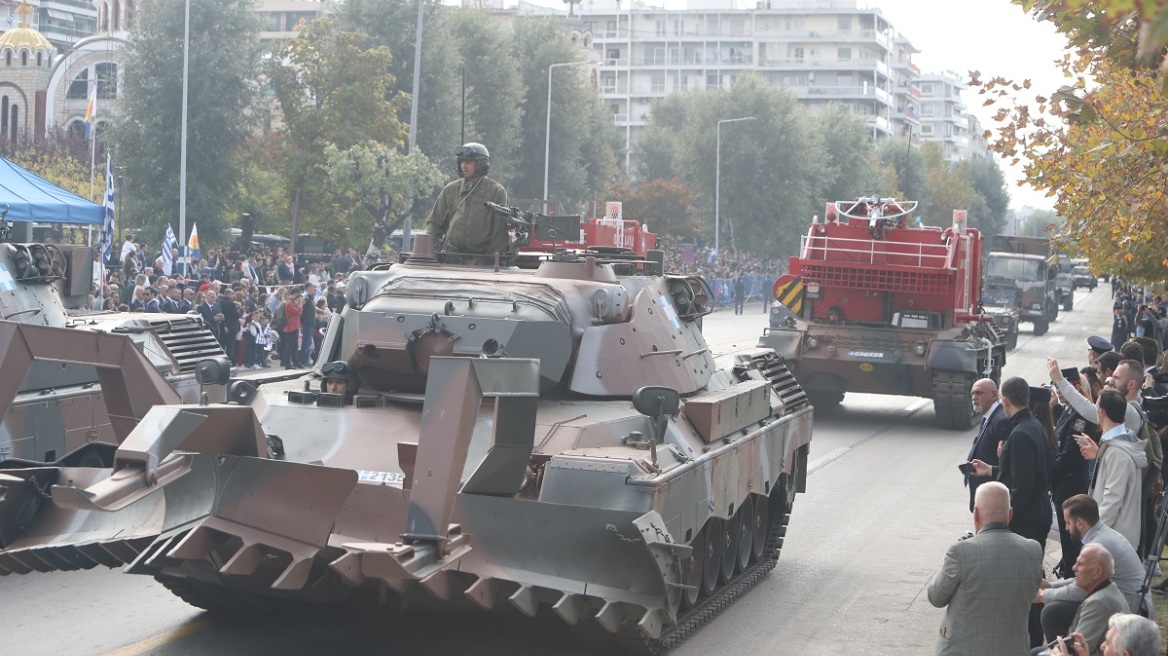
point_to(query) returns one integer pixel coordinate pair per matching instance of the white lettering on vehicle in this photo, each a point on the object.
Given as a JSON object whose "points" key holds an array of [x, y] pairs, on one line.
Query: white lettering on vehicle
{"points": [[385, 478], [865, 354]]}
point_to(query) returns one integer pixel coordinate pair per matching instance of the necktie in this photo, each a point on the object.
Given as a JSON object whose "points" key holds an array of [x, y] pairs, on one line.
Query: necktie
{"points": [[980, 429]]}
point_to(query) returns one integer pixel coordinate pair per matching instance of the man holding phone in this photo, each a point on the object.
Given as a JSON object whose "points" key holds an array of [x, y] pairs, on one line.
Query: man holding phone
{"points": [[993, 429]]}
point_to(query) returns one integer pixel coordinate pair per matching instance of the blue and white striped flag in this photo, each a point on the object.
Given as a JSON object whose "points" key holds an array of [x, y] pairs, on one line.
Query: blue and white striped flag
{"points": [[168, 246], [106, 242]]}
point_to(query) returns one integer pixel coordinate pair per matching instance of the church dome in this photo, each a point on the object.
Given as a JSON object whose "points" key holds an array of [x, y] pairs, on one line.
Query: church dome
{"points": [[24, 36]]}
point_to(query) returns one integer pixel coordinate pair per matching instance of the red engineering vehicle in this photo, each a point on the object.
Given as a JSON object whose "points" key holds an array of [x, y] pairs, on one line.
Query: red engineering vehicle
{"points": [[875, 306]]}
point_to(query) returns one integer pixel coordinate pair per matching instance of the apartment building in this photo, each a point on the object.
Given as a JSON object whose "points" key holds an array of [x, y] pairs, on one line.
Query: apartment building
{"points": [[824, 51], [945, 118]]}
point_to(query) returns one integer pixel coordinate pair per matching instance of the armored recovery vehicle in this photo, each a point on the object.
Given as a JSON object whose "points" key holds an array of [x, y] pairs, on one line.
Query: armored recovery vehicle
{"points": [[555, 437], [60, 411], [883, 308]]}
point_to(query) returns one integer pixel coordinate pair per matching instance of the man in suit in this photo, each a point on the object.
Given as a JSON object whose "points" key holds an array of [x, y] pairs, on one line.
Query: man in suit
{"points": [[211, 313], [987, 583], [1093, 572], [1025, 463], [993, 429]]}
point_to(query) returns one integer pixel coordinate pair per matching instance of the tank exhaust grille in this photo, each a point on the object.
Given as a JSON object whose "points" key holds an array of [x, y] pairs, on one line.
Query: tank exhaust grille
{"points": [[774, 368], [189, 341]]}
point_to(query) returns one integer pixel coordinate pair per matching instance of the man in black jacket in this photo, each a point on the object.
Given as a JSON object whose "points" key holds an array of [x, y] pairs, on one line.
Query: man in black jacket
{"points": [[1025, 462]]}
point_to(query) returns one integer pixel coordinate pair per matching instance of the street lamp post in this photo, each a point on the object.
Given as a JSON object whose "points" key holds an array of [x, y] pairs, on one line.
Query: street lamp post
{"points": [[718, 174], [547, 135]]}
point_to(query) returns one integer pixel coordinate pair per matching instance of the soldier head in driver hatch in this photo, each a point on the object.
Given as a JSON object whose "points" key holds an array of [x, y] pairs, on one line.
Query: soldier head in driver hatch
{"points": [[835, 314], [338, 379]]}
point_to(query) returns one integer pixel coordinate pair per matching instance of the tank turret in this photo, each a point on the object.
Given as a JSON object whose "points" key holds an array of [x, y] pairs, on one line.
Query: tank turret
{"points": [[561, 437]]}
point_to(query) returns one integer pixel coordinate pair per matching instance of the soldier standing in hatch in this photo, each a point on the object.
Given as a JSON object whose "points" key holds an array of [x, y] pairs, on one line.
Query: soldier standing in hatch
{"points": [[460, 215]]}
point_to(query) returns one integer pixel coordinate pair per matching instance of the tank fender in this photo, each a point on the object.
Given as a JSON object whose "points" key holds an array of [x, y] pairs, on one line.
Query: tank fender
{"points": [[787, 343], [668, 555], [952, 356]]}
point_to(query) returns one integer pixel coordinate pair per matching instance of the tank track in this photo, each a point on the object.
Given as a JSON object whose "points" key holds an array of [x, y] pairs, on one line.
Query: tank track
{"points": [[631, 640], [219, 599], [951, 399]]}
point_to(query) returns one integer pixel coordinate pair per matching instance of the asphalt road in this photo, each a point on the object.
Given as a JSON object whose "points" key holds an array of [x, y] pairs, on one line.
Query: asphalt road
{"points": [[884, 501]]}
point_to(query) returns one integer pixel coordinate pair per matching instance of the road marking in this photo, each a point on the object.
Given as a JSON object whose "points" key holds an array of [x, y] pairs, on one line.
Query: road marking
{"points": [[1057, 338], [152, 643]]}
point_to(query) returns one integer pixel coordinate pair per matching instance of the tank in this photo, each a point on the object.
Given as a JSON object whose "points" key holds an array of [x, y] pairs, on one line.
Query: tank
{"points": [[560, 437], [881, 307], [59, 407]]}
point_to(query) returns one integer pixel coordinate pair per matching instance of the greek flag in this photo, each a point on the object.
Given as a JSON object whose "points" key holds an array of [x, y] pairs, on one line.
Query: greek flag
{"points": [[106, 242], [168, 246]]}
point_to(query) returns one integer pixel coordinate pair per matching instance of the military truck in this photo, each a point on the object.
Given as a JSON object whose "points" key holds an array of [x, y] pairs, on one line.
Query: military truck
{"points": [[560, 438], [885, 308], [1023, 265]]}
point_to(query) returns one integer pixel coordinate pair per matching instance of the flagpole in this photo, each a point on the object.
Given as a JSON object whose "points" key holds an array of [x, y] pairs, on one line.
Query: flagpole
{"points": [[92, 156], [182, 167]]}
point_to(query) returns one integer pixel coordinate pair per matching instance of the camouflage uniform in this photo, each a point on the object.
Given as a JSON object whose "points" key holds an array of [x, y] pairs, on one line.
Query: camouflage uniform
{"points": [[469, 226]]}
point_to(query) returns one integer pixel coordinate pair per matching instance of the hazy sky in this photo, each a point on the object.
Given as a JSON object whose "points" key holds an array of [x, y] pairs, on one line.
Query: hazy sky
{"points": [[991, 36]]}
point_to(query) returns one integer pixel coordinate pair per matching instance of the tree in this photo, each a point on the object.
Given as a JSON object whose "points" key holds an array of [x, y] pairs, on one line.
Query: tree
{"points": [[332, 90], [392, 24], [849, 165], [582, 153], [223, 65], [1099, 144], [667, 207], [493, 90], [991, 200], [908, 166], [381, 181]]}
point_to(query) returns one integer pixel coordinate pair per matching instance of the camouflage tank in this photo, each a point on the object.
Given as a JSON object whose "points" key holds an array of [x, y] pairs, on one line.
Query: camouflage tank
{"points": [[59, 411], [557, 437]]}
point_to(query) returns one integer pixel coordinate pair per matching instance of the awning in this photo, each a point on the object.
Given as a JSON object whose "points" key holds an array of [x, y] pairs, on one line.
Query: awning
{"points": [[29, 197]]}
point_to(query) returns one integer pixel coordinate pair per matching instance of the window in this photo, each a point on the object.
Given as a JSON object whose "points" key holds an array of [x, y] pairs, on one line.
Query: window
{"points": [[610, 28], [24, 58], [654, 55], [737, 27], [797, 55], [926, 88], [659, 28], [844, 23], [613, 55], [79, 87], [106, 75], [678, 27], [657, 82], [927, 129], [844, 54]]}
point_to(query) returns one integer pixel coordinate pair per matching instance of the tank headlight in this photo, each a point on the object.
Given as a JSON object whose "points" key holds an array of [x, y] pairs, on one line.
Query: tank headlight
{"points": [[919, 349], [830, 351], [812, 342]]}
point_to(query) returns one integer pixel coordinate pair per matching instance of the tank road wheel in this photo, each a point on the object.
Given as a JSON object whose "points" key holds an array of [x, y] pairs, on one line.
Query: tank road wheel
{"points": [[745, 533], [712, 562], [693, 574], [762, 525], [951, 400], [733, 540]]}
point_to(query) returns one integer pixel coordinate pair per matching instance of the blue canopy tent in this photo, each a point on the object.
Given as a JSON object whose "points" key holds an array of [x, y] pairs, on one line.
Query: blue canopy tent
{"points": [[30, 197]]}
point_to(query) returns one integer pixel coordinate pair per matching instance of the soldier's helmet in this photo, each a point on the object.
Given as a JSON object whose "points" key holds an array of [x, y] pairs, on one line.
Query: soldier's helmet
{"points": [[478, 153]]}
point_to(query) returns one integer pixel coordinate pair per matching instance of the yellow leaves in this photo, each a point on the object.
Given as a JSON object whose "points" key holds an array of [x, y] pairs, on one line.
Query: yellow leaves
{"points": [[1128, 257]]}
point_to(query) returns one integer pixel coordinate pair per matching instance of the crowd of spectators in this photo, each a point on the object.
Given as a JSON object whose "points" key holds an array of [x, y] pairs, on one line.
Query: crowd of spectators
{"points": [[723, 267], [238, 295], [1082, 450]]}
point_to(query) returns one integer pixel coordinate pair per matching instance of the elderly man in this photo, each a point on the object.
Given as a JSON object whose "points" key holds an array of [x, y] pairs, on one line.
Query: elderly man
{"points": [[987, 583], [1127, 635], [1061, 599], [1103, 599], [993, 429]]}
